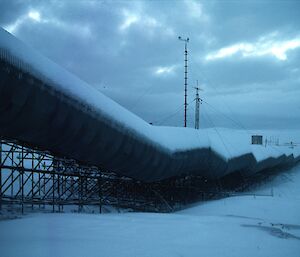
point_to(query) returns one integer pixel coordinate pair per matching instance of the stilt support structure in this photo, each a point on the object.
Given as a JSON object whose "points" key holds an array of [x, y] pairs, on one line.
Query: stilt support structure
{"points": [[32, 179]]}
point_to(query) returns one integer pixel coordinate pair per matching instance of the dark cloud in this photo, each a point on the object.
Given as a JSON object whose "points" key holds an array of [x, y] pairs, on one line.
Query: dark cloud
{"points": [[129, 51], [247, 20], [240, 72], [11, 10]]}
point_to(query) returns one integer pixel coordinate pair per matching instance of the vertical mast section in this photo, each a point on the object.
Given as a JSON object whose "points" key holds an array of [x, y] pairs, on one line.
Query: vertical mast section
{"points": [[197, 108], [185, 83], [186, 40]]}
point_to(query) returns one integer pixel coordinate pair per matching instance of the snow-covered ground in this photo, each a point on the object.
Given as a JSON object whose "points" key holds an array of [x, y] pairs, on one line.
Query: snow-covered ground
{"points": [[236, 226]]}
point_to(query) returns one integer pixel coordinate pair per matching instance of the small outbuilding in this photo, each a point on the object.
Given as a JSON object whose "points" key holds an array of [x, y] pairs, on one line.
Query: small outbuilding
{"points": [[257, 140]]}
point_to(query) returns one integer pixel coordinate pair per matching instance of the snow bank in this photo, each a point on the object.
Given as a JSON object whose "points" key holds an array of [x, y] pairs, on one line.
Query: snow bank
{"points": [[257, 225]]}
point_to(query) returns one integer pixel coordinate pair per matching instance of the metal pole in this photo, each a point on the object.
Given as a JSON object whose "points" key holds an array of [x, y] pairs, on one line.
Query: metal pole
{"points": [[100, 193], [64, 185], [44, 189], [58, 191], [32, 179], [39, 190], [185, 84], [12, 172], [22, 173], [0, 174], [197, 108], [185, 77], [80, 191], [53, 191]]}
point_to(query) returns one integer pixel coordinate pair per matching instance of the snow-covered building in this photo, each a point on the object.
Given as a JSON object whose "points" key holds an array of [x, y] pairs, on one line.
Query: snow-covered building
{"points": [[45, 106]]}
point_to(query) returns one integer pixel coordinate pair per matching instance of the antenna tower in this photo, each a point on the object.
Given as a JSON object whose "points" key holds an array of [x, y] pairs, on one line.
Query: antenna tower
{"points": [[197, 108], [185, 40]]}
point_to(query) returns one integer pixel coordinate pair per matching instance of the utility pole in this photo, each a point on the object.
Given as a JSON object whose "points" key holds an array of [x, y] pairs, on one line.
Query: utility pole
{"points": [[185, 40], [197, 108]]}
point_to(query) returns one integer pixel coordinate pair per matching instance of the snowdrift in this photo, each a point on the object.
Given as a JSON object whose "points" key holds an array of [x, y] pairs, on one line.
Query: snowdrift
{"points": [[45, 106]]}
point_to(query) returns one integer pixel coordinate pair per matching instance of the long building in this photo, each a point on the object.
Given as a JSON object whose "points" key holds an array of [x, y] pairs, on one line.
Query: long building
{"points": [[45, 106]]}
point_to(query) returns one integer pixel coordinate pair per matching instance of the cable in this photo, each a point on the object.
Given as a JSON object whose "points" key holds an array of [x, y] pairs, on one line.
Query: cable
{"points": [[140, 97], [218, 111], [224, 102], [214, 127], [161, 121], [170, 116]]}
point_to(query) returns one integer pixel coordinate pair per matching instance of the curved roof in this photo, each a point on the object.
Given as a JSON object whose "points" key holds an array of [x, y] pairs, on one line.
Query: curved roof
{"points": [[44, 105]]}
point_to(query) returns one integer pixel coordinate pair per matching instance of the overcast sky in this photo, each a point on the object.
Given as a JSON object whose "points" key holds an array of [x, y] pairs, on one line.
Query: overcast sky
{"points": [[245, 55]]}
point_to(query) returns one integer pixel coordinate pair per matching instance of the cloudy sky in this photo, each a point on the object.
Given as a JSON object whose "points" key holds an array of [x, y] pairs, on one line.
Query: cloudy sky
{"points": [[244, 54]]}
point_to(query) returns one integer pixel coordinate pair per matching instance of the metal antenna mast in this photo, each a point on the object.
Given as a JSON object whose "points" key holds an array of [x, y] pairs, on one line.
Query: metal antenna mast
{"points": [[197, 108], [185, 40]]}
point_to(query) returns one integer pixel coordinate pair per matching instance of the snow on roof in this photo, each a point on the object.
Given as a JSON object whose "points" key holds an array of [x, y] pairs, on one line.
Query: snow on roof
{"points": [[226, 144]]}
